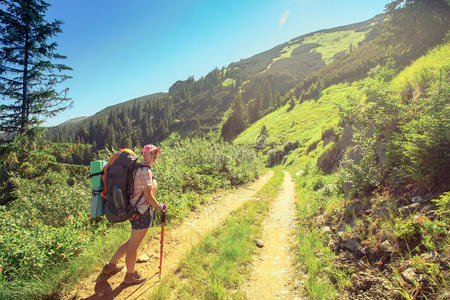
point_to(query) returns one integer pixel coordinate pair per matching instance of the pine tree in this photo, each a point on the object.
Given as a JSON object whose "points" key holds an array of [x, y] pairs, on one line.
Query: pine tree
{"points": [[28, 74], [112, 140], [237, 120], [422, 22]]}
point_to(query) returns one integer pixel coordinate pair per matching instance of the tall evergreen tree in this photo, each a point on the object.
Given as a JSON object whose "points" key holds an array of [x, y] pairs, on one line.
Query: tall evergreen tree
{"points": [[28, 73], [422, 23], [237, 120]]}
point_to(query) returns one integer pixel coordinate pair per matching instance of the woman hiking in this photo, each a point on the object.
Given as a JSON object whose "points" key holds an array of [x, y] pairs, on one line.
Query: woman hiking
{"points": [[143, 197]]}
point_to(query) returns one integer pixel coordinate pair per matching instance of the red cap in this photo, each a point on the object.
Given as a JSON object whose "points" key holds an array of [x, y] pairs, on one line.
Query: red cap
{"points": [[150, 148]]}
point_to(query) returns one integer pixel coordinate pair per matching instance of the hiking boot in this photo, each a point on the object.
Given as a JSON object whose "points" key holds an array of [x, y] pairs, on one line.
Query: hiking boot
{"points": [[110, 268], [134, 278]]}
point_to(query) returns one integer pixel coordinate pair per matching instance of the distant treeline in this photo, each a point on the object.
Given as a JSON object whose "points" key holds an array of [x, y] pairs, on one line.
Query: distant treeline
{"points": [[191, 108]]}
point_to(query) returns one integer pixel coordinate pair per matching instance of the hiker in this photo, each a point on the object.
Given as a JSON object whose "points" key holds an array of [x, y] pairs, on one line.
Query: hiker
{"points": [[143, 197]]}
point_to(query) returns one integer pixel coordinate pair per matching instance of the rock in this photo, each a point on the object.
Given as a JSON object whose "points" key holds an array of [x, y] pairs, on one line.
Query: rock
{"points": [[325, 229], [386, 246], [347, 186], [417, 199], [319, 219], [407, 210], [346, 139], [333, 245], [259, 243], [410, 276], [382, 212], [353, 246], [430, 256], [143, 258], [427, 207], [341, 230], [344, 228]]}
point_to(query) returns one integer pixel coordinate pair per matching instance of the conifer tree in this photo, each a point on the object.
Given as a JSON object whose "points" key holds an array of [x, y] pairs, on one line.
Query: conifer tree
{"points": [[423, 23], [237, 120], [28, 73]]}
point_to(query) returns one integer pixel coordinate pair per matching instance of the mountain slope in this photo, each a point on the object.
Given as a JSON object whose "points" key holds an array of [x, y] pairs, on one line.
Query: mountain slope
{"points": [[224, 102], [195, 107], [369, 166]]}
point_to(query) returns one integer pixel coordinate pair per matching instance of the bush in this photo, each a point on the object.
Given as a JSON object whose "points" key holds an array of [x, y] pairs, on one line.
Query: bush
{"points": [[48, 221], [27, 251], [49, 199], [359, 165], [274, 157], [289, 146], [423, 141], [410, 116]]}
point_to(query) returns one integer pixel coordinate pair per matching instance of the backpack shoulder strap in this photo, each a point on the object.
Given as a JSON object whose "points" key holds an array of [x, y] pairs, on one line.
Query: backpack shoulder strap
{"points": [[95, 174], [141, 165]]}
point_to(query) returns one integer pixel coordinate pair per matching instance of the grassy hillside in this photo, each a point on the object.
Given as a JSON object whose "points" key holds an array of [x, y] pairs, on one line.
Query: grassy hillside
{"points": [[305, 122], [198, 107], [336, 42], [370, 171]]}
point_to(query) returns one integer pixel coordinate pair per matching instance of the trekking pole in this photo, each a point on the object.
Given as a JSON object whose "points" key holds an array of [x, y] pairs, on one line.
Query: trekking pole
{"points": [[163, 220]]}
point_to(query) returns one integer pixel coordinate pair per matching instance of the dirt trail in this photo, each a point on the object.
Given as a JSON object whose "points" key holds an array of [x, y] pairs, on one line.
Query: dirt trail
{"points": [[177, 242], [274, 273]]}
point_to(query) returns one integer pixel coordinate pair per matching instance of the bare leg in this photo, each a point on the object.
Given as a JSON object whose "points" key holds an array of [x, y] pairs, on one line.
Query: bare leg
{"points": [[119, 253], [132, 246]]}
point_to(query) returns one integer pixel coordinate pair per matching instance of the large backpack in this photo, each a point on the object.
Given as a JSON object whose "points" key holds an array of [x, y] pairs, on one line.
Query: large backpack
{"points": [[118, 179]]}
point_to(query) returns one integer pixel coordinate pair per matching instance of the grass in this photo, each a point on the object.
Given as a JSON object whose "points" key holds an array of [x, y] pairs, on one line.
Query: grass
{"points": [[334, 42], [286, 52], [243, 84], [428, 68], [55, 243], [228, 81], [323, 280], [64, 277], [216, 267], [305, 122], [314, 191], [317, 193]]}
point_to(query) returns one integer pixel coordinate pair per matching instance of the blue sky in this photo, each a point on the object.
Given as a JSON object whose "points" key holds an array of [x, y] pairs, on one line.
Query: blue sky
{"points": [[123, 49]]}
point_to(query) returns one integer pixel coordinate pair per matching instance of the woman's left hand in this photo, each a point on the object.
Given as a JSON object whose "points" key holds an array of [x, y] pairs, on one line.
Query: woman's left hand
{"points": [[162, 207]]}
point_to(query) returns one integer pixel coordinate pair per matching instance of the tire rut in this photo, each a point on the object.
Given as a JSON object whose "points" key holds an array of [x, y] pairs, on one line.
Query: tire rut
{"points": [[274, 274], [178, 241]]}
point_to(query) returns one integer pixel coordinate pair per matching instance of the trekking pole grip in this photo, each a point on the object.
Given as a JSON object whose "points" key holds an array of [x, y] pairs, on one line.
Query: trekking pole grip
{"points": [[163, 217]]}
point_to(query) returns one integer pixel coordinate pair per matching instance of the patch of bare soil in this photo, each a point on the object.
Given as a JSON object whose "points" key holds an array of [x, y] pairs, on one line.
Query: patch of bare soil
{"points": [[274, 275], [178, 241]]}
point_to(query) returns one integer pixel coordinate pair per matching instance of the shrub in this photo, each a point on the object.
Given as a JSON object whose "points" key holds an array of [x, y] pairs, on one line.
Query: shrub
{"points": [[312, 146], [423, 141], [275, 157], [359, 165], [290, 145], [261, 139], [48, 221], [27, 251]]}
